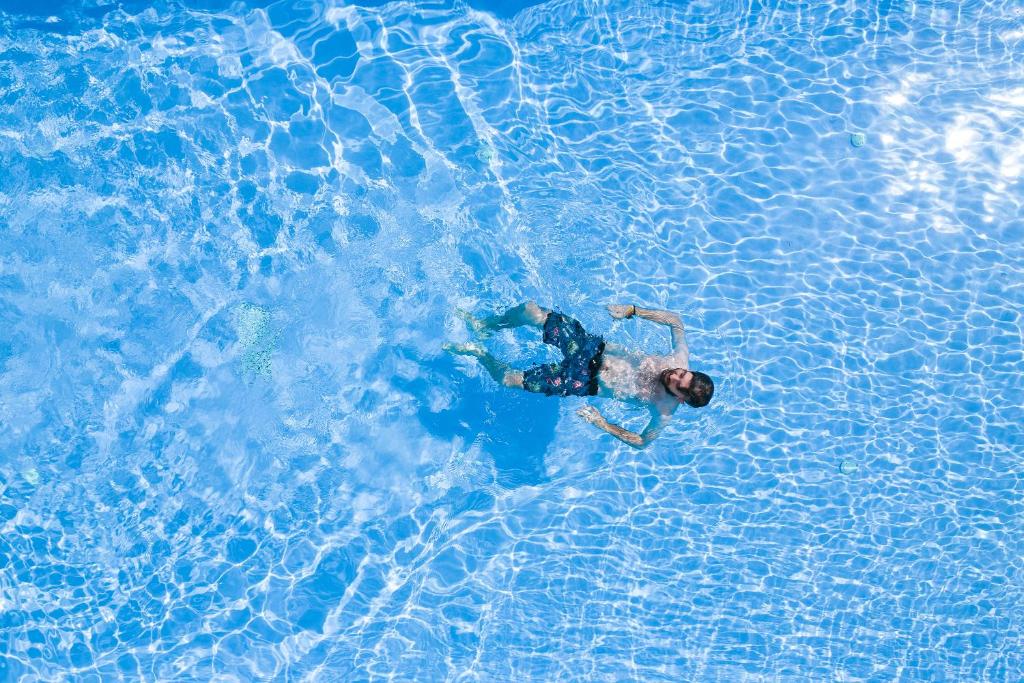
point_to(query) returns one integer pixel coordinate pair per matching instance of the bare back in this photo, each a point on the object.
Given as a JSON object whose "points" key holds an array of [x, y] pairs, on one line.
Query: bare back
{"points": [[634, 378]]}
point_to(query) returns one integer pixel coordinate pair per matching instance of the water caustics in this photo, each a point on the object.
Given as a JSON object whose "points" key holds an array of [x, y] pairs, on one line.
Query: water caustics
{"points": [[231, 448]]}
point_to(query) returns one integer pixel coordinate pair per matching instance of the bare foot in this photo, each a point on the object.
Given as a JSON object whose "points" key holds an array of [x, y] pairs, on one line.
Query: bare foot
{"points": [[465, 349], [478, 326]]}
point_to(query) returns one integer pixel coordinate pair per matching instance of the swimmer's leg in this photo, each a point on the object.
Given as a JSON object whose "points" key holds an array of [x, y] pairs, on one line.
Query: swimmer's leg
{"points": [[528, 313], [501, 372]]}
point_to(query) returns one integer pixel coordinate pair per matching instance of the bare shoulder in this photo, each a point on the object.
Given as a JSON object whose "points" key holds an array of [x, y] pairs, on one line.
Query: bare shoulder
{"points": [[664, 407], [677, 358], [662, 410]]}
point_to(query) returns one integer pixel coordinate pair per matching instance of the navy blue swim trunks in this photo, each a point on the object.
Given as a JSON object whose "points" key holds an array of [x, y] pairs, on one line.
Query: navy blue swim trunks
{"points": [[576, 375]]}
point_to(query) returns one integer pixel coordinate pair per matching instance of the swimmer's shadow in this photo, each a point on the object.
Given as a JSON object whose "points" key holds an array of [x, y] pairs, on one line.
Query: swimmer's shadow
{"points": [[511, 426]]}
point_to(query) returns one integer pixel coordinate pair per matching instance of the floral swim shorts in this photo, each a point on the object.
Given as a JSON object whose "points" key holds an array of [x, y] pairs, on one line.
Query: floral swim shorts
{"points": [[576, 375]]}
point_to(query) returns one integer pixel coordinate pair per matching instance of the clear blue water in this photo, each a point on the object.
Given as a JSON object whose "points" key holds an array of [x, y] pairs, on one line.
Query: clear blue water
{"points": [[232, 449]]}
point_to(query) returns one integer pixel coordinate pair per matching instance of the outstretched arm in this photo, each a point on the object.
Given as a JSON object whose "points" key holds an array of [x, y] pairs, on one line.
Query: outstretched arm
{"points": [[672, 320], [642, 440], [594, 417], [679, 347]]}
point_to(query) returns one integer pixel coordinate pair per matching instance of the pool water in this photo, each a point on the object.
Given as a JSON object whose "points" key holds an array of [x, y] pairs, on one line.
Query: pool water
{"points": [[235, 235]]}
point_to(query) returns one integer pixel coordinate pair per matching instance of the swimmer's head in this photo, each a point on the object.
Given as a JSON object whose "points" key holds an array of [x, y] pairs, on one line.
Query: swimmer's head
{"points": [[692, 388]]}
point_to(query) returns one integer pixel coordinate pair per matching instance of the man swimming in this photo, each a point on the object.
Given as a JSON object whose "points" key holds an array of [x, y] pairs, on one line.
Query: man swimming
{"points": [[592, 367]]}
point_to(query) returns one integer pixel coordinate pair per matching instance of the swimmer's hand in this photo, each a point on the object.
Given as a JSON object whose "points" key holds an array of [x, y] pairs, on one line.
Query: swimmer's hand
{"points": [[619, 311], [591, 415]]}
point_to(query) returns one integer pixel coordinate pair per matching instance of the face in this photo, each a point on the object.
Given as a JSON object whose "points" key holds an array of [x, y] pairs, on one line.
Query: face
{"points": [[677, 381]]}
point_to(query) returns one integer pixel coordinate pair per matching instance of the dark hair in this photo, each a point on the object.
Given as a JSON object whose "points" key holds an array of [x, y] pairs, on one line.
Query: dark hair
{"points": [[701, 390]]}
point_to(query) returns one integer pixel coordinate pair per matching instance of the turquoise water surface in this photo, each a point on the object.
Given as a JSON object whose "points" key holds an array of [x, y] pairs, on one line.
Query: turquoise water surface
{"points": [[235, 235]]}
